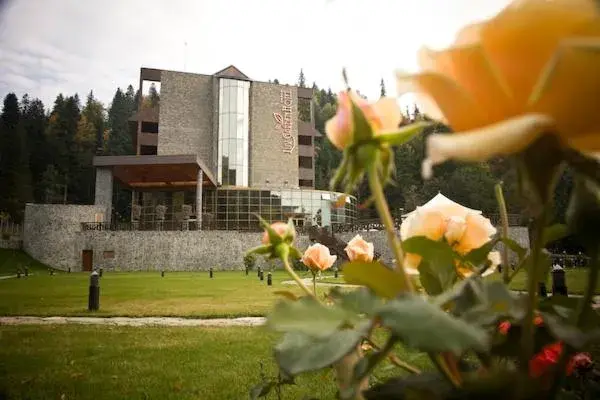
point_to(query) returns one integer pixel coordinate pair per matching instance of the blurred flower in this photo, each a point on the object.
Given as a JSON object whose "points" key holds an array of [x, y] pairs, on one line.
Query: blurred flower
{"points": [[280, 228], [464, 229], [504, 327], [545, 360], [359, 249], [530, 70], [384, 115], [318, 258], [580, 361]]}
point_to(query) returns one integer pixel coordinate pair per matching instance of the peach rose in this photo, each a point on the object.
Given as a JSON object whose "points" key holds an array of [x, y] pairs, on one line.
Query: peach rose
{"points": [[463, 229], [318, 258], [530, 70], [280, 228], [359, 249], [382, 116]]}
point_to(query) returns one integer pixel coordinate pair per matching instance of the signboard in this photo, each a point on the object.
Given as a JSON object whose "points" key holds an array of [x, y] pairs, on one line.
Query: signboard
{"points": [[284, 120]]}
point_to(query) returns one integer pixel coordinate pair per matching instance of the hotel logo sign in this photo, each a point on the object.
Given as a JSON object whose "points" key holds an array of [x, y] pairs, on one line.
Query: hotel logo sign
{"points": [[283, 121]]}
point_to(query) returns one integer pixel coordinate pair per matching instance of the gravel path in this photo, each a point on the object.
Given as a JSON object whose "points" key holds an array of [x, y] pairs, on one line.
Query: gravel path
{"points": [[127, 321]]}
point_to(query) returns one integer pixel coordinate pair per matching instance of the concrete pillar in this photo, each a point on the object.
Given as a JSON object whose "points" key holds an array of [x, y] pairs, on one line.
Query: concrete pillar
{"points": [[104, 191], [199, 198]]}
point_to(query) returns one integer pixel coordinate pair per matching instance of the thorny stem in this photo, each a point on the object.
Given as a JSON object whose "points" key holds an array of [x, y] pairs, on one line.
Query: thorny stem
{"points": [[384, 213], [527, 341], [314, 274], [578, 320], [504, 219], [395, 360], [288, 268]]}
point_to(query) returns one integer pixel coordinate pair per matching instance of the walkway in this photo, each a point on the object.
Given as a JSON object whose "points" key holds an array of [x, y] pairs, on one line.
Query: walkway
{"points": [[128, 321]]}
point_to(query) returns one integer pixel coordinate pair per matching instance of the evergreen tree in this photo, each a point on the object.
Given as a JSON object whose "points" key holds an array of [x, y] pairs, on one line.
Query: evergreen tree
{"points": [[381, 88], [153, 96], [94, 114], [15, 176], [301, 79], [416, 114], [35, 122], [121, 108], [276, 81]]}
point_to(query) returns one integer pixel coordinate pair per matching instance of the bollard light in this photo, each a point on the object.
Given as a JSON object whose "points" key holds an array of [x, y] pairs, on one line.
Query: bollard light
{"points": [[269, 279], [559, 282], [18, 274], [258, 272], [210, 272], [94, 295], [262, 275], [26, 271], [51, 272], [69, 269], [335, 272], [162, 274], [101, 272]]}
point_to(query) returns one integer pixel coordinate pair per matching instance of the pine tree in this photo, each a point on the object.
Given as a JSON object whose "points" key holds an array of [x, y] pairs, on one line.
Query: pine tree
{"points": [[94, 113], [35, 122], [121, 108], [417, 114], [276, 81], [382, 88], [301, 79], [15, 175]]}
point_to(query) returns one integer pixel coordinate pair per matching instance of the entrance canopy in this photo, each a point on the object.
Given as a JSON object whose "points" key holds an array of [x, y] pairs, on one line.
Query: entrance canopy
{"points": [[441, 202], [154, 171]]}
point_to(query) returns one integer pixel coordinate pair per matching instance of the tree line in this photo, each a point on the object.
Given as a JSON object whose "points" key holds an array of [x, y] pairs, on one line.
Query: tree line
{"points": [[46, 155]]}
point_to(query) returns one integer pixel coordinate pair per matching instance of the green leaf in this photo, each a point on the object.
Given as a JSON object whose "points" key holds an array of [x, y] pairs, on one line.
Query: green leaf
{"points": [[502, 301], [362, 128], [261, 390], [583, 213], [554, 233], [379, 278], [308, 316], [480, 255], [263, 249], [437, 264], [570, 334], [359, 301], [423, 325], [299, 352], [403, 134]]}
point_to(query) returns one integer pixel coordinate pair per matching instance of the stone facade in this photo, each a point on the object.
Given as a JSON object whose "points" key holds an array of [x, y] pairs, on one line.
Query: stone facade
{"points": [[51, 232], [268, 161], [186, 116], [53, 235]]}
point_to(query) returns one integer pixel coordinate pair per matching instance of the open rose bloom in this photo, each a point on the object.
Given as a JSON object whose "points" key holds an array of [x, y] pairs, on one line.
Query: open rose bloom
{"points": [[359, 249], [441, 218], [532, 69], [318, 258]]}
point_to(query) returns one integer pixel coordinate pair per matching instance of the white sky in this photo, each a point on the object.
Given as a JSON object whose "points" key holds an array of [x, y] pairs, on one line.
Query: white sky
{"points": [[72, 46]]}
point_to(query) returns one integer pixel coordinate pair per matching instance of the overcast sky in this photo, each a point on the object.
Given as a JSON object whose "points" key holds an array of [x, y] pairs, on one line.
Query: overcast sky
{"points": [[72, 46]]}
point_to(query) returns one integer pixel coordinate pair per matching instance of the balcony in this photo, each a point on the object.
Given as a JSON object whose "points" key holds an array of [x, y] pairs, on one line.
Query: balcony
{"points": [[305, 151], [306, 173]]}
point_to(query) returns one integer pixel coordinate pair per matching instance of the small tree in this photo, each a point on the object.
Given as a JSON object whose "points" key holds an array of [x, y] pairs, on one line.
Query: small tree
{"points": [[250, 261]]}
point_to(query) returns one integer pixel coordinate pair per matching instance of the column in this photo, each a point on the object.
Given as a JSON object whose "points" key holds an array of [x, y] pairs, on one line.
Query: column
{"points": [[199, 198], [104, 191]]}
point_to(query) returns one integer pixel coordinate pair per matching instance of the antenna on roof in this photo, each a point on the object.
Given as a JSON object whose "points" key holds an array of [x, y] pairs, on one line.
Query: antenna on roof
{"points": [[185, 56]]}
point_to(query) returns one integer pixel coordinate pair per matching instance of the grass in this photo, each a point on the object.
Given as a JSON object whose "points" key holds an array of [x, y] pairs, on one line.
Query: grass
{"points": [[576, 280], [93, 362], [11, 260]]}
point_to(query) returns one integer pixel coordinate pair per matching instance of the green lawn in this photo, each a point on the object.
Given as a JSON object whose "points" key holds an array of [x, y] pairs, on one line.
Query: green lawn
{"points": [[93, 362], [11, 260]]}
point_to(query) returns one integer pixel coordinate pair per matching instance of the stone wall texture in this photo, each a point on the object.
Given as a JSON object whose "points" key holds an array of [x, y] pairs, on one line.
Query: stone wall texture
{"points": [[53, 235], [267, 159], [104, 191], [186, 115], [51, 232]]}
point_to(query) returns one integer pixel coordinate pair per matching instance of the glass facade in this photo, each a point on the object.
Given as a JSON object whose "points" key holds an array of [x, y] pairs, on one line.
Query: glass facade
{"points": [[233, 208], [232, 157]]}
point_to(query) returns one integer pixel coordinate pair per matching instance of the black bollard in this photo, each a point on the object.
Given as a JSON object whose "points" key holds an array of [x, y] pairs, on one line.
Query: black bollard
{"points": [[262, 275], [51, 272], [210, 273], [335, 272], [559, 283], [162, 274], [94, 297], [69, 269], [26, 271], [542, 289], [269, 279], [18, 274], [258, 272], [246, 271], [101, 272]]}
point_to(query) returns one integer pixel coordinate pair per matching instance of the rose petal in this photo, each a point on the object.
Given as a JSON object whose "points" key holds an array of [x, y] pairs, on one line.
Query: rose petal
{"points": [[570, 91], [455, 229], [507, 137], [458, 107], [471, 69], [477, 233], [388, 112], [523, 37]]}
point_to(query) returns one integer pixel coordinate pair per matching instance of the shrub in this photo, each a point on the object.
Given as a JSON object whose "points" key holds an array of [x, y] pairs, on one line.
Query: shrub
{"points": [[250, 261]]}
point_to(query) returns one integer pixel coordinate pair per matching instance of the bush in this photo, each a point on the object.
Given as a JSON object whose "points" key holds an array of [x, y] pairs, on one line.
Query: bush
{"points": [[250, 261]]}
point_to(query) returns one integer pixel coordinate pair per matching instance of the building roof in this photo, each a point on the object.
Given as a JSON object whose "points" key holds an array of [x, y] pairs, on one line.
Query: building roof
{"points": [[153, 171], [441, 201], [232, 72]]}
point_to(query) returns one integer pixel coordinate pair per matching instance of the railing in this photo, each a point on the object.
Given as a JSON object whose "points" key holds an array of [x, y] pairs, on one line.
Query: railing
{"points": [[569, 260], [513, 219], [142, 226]]}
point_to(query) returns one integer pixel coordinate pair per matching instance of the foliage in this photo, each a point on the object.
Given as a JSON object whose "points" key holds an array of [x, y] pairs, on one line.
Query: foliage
{"points": [[249, 261]]}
